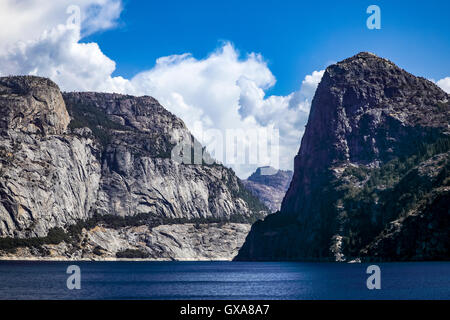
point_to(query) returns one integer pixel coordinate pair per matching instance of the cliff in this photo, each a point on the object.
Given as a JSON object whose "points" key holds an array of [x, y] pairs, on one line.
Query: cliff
{"points": [[76, 161], [371, 178]]}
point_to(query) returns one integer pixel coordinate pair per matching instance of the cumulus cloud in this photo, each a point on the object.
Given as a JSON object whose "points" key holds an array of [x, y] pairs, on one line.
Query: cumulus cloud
{"points": [[288, 114], [58, 55], [225, 90], [28, 19], [444, 84], [205, 89]]}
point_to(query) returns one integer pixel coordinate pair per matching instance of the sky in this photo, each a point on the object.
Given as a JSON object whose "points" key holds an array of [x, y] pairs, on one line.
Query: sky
{"points": [[219, 65]]}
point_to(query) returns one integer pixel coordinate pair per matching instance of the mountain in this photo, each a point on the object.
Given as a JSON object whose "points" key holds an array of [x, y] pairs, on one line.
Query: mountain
{"points": [[269, 185], [371, 179], [92, 175]]}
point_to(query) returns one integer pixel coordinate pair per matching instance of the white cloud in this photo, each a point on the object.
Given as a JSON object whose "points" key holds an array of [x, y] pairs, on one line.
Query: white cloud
{"points": [[59, 55], [222, 91], [444, 84], [209, 85], [27, 19], [288, 114], [226, 92]]}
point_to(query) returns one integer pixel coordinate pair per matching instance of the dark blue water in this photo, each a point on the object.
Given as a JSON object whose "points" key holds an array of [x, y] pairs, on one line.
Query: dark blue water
{"points": [[223, 280]]}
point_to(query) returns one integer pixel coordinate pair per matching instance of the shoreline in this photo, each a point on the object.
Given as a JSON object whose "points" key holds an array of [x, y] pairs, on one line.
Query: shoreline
{"points": [[108, 259], [111, 259]]}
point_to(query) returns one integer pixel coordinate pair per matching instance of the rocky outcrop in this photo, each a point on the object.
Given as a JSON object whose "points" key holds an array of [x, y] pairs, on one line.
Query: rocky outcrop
{"points": [[117, 157], [48, 178], [32, 105], [269, 185], [371, 126]]}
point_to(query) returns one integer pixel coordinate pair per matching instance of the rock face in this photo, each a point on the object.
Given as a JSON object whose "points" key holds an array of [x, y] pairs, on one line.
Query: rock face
{"points": [[112, 157], [32, 105], [371, 178], [136, 136], [269, 185], [48, 178]]}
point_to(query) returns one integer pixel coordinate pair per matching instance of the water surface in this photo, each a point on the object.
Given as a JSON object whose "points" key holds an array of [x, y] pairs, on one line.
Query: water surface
{"points": [[223, 280]]}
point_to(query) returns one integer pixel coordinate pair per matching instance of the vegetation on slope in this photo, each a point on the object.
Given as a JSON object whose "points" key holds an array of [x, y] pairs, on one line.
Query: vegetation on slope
{"points": [[371, 198]]}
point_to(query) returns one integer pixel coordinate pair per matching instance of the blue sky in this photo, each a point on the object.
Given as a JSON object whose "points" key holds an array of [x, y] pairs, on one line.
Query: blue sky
{"points": [[294, 37]]}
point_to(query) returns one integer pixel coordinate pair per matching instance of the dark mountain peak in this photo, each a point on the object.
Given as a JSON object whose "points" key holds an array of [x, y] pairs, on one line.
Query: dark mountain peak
{"points": [[363, 55], [366, 111], [359, 97], [374, 81], [370, 123]]}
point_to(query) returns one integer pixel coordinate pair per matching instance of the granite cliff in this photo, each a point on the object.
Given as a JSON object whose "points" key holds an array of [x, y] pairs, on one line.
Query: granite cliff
{"points": [[76, 163], [371, 179]]}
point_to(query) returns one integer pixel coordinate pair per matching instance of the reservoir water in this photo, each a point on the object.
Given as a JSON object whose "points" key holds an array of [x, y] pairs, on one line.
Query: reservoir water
{"points": [[223, 280]]}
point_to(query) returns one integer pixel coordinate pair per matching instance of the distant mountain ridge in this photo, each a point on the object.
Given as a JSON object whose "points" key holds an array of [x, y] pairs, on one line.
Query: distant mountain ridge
{"points": [[269, 185]]}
